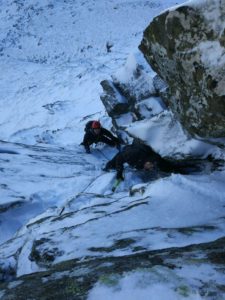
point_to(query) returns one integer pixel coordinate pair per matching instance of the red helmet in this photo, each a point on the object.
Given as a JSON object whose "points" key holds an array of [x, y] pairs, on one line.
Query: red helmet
{"points": [[96, 125]]}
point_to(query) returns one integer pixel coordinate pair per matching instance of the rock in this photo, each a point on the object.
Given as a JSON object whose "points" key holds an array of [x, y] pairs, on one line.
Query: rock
{"points": [[41, 254], [12, 205], [138, 189], [121, 122], [132, 94], [113, 101], [162, 89], [149, 108], [159, 84], [75, 280], [186, 47]]}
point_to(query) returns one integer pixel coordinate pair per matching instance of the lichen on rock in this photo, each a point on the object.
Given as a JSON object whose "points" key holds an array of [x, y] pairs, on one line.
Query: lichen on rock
{"points": [[185, 46]]}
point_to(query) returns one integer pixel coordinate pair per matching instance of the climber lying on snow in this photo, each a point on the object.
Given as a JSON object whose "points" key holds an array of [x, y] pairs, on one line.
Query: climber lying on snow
{"points": [[142, 157]]}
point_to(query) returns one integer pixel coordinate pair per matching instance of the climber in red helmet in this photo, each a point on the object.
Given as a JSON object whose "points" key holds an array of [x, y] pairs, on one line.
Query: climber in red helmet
{"points": [[95, 133]]}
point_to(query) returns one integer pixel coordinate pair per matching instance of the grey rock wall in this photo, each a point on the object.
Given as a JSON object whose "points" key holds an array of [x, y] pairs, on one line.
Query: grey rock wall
{"points": [[186, 47]]}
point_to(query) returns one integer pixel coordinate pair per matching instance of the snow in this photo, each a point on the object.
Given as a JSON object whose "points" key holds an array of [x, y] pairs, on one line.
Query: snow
{"points": [[140, 285], [130, 67], [165, 135], [212, 53], [151, 107], [211, 10], [127, 73], [50, 87]]}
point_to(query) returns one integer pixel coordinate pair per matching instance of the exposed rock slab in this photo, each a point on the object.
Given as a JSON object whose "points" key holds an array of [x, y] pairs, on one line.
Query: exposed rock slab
{"points": [[75, 280]]}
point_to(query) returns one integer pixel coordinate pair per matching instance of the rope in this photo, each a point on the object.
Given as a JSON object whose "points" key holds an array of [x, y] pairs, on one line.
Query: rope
{"points": [[82, 192]]}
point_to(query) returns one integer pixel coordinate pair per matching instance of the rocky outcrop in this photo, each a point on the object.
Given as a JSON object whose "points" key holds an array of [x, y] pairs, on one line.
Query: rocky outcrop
{"points": [[134, 93], [144, 114], [129, 85], [75, 280], [114, 103], [186, 47]]}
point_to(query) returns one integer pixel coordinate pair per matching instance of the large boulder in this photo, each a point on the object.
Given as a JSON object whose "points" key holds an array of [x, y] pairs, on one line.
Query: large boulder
{"points": [[186, 47]]}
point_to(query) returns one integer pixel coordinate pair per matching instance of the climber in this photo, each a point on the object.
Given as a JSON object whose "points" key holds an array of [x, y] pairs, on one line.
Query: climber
{"points": [[139, 156], [95, 133]]}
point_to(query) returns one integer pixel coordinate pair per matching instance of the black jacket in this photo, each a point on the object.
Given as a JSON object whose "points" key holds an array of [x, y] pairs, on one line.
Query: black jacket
{"points": [[104, 136], [136, 156]]}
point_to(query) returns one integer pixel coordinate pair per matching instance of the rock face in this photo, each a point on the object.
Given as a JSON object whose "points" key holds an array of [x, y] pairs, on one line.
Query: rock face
{"points": [[114, 103], [129, 86], [137, 100], [73, 280], [186, 47], [134, 93]]}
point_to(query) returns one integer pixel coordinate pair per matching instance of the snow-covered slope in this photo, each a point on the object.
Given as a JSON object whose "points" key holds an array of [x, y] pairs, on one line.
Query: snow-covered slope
{"points": [[53, 56]]}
